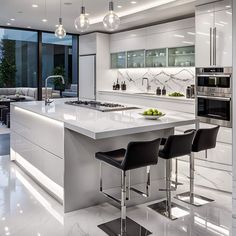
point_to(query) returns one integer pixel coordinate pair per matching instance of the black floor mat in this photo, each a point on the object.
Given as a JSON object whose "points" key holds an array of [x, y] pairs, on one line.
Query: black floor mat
{"points": [[4, 144]]}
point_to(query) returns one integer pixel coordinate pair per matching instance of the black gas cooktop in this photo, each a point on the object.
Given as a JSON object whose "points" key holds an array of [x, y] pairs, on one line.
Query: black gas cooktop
{"points": [[101, 106]]}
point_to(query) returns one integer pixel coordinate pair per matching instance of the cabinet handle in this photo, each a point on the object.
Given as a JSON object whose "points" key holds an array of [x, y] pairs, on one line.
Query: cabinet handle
{"points": [[210, 46], [214, 46]]}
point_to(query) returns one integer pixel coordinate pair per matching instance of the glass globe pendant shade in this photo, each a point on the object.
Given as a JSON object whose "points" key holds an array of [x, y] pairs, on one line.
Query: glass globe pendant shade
{"points": [[60, 32], [111, 21], [82, 22]]}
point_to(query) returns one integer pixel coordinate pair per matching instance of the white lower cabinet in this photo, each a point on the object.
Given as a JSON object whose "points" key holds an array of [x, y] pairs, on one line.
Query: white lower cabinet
{"points": [[215, 171]]}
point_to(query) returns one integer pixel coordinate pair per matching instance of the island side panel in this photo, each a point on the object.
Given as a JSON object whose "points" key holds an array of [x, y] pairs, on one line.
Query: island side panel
{"points": [[81, 178], [37, 146]]}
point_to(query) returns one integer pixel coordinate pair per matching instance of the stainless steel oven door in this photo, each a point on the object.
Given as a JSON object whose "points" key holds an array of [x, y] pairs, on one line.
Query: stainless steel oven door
{"points": [[214, 83], [214, 110]]}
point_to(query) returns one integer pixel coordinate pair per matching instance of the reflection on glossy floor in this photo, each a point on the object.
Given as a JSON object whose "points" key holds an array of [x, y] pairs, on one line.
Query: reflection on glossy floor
{"points": [[26, 210]]}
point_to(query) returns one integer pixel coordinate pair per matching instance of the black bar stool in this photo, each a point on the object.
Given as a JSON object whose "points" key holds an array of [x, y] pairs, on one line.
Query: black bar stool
{"points": [[175, 146], [204, 140], [137, 155]]}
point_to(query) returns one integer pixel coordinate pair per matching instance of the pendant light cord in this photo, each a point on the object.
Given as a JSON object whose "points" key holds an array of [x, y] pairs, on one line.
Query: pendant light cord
{"points": [[45, 9], [60, 8]]}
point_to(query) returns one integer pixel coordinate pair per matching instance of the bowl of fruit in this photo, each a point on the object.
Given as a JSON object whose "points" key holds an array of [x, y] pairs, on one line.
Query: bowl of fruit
{"points": [[152, 114]]}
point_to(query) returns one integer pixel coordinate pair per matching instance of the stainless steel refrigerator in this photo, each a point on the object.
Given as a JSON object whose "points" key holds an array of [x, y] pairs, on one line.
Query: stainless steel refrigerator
{"points": [[87, 77]]}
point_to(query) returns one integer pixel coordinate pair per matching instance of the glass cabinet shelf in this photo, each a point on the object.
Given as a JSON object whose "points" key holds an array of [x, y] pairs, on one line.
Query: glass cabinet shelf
{"points": [[135, 59], [155, 58], [181, 56], [118, 60]]}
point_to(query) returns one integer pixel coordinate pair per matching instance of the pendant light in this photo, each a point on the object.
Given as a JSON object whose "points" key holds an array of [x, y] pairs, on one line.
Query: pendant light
{"points": [[82, 21], [111, 21], [60, 32]]}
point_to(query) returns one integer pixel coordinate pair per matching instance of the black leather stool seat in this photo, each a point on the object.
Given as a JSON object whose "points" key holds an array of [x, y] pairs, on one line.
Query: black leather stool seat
{"points": [[205, 139], [138, 154], [114, 158], [177, 145]]}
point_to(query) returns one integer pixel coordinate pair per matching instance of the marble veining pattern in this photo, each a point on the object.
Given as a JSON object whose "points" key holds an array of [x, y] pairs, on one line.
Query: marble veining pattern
{"points": [[26, 210], [174, 79]]}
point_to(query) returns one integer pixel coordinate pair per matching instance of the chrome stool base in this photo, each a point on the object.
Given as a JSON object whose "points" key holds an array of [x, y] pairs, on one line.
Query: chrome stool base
{"points": [[176, 211], [112, 228], [194, 199]]}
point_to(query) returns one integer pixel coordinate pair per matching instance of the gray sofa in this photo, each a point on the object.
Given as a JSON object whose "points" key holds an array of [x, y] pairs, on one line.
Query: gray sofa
{"points": [[72, 92], [30, 94]]}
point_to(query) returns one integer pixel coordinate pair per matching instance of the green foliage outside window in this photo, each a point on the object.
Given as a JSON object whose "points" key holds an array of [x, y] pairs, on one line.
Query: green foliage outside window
{"points": [[7, 63]]}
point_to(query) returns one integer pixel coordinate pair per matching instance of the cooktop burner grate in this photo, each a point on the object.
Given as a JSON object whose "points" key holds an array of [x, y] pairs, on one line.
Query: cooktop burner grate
{"points": [[100, 106]]}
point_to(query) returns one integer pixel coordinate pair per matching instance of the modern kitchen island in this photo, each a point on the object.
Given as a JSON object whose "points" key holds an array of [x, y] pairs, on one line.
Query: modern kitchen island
{"points": [[56, 145]]}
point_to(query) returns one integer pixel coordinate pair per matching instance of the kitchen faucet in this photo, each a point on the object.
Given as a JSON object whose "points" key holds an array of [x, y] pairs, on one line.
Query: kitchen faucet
{"points": [[47, 100], [148, 85]]}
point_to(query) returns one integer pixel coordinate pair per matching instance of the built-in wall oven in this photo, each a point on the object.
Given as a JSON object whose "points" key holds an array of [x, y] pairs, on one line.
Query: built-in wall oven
{"points": [[214, 95]]}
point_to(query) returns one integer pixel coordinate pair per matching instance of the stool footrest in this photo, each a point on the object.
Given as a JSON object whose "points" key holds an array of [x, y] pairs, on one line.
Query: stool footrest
{"points": [[166, 189], [176, 183], [111, 197], [140, 192], [193, 199]]}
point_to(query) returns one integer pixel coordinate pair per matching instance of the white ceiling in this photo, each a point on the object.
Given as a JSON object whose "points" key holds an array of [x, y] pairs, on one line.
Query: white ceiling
{"points": [[132, 15]]}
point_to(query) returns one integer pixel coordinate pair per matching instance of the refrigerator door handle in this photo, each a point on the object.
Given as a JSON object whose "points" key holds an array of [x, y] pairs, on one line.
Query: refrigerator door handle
{"points": [[210, 46], [214, 46]]}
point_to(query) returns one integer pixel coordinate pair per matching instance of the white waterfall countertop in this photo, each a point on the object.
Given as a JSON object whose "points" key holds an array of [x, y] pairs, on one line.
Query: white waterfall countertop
{"points": [[98, 125]]}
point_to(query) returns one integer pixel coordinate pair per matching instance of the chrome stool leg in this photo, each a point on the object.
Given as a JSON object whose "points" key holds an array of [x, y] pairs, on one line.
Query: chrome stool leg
{"points": [[167, 208], [123, 226], [176, 183], [148, 183], [190, 197]]}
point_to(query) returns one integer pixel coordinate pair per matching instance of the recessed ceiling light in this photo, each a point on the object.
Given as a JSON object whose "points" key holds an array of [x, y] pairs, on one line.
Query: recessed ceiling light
{"points": [[56, 26], [119, 6], [8, 23], [229, 13], [68, 3], [133, 2], [34, 5], [179, 35], [44, 20], [28, 27], [12, 19]]}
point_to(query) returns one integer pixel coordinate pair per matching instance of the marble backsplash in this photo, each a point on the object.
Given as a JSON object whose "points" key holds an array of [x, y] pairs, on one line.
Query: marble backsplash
{"points": [[174, 79]]}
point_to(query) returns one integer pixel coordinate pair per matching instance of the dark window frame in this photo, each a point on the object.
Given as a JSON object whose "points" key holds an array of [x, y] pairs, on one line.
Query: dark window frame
{"points": [[75, 56]]}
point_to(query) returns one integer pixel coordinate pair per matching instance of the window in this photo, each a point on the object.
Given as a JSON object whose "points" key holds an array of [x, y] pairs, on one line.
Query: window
{"points": [[18, 63], [57, 60]]}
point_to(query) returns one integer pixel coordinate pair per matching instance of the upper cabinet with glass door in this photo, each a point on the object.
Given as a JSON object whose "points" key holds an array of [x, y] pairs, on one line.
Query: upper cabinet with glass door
{"points": [[118, 60], [136, 59], [181, 56], [155, 58]]}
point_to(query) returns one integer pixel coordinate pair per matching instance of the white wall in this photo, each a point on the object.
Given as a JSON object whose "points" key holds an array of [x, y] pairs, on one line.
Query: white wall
{"points": [[104, 74]]}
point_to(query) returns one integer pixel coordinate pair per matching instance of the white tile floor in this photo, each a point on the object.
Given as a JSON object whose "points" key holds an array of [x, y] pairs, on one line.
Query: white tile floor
{"points": [[26, 210]]}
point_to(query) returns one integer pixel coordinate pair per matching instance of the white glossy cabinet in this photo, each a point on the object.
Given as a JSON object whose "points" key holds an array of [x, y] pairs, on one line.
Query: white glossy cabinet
{"points": [[214, 35], [203, 47], [174, 34], [223, 25]]}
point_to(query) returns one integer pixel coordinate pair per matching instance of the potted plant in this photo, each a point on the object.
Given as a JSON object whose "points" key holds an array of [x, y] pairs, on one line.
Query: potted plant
{"points": [[59, 70]]}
